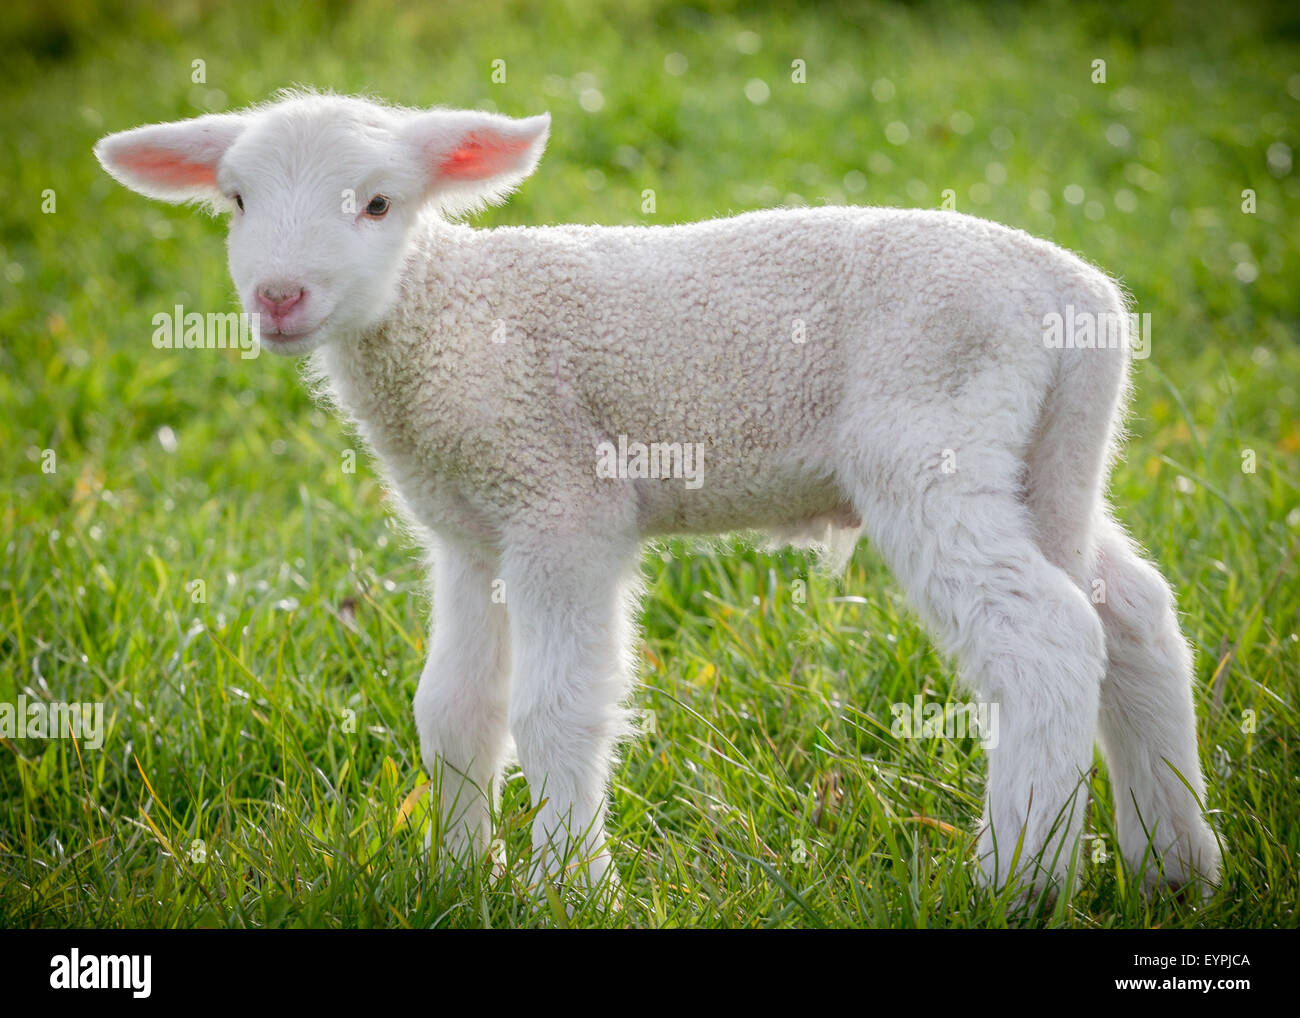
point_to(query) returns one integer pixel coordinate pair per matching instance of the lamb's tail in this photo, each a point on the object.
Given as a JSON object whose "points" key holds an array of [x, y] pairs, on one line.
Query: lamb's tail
{"points": [[1080, 424]]}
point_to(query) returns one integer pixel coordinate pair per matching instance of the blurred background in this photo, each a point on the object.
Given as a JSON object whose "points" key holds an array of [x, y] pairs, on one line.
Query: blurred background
{"points": [[1157, 139]]}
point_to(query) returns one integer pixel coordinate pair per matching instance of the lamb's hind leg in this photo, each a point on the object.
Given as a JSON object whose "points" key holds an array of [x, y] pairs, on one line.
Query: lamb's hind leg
{"points": [[462, 700], [1147, 726], [1026, 639], [1148, 722]]}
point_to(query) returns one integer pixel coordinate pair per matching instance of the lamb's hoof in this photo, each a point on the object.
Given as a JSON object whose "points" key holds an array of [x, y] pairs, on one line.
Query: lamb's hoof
{"points": [[595, 884], [1189, 876]]}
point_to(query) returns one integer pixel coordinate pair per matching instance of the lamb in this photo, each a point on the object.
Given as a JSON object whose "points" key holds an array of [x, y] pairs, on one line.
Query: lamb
{"points": [[832, 370]]}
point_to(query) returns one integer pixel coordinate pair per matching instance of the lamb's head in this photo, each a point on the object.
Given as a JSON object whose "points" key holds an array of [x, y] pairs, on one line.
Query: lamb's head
{"points": [[323, 192]]}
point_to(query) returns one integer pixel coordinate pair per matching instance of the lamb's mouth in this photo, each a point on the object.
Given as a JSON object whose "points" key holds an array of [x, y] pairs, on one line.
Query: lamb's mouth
{"points": [[295, 341], [286, 336]]}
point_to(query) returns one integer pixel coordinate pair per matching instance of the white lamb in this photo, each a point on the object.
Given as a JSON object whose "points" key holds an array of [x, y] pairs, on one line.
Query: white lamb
{"points": [[832, 370]]}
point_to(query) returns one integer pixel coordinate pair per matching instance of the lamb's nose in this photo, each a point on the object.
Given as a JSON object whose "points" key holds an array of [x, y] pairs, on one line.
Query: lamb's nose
{"points": [[278, 300]]}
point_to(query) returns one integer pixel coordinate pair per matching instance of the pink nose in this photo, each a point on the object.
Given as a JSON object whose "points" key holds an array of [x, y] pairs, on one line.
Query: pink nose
{"points": [[277, 301]]}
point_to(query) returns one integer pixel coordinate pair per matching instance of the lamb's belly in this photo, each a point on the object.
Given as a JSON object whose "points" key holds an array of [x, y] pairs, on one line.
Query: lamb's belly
{"points": [[725, 501]]}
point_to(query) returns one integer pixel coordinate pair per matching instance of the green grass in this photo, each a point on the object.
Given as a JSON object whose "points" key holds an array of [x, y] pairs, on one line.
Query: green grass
{"points": [[771, 792]]}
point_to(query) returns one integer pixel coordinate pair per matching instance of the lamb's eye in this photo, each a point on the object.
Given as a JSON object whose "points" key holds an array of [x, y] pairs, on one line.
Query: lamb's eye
{"points": [[239, 200], [378, 206]]}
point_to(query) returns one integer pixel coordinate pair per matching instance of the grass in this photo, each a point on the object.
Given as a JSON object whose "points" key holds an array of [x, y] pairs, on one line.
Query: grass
{"points": [[261, 745]]}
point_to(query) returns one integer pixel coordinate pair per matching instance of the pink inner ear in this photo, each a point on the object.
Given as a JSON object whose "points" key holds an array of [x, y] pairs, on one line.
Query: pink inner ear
{"points": [[477, 159], [168, 168]]}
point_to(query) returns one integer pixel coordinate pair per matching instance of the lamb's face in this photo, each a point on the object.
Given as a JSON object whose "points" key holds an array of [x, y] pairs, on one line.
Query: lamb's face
{"points": [[320, 207], [322, 193]]}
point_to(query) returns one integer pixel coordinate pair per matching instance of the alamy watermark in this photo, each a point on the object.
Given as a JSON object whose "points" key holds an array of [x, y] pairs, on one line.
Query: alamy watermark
{"points": [[934, 720], [654, 460], [231, 330], [77, 971], [37, 719], [1104, 330]]}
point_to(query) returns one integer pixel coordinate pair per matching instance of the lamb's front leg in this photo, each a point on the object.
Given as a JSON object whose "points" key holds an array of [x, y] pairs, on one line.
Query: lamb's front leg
{"points": [[462, 701], [571, 604]]}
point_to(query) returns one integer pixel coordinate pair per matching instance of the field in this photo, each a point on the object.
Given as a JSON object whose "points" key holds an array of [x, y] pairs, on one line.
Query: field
{"points": [[261, 767]]}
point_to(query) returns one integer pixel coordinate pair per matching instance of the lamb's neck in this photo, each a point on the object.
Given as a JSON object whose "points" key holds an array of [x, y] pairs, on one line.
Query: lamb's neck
{"points": [[363, 372], [341, 376]]}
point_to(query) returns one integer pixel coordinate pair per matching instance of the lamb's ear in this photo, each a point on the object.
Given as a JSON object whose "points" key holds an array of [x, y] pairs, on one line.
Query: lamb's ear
{"points": [[472, 159], [174, 162]]}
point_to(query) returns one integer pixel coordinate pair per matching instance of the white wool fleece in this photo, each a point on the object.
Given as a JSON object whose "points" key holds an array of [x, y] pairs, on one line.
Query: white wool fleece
{"points": [[543, 399]]}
